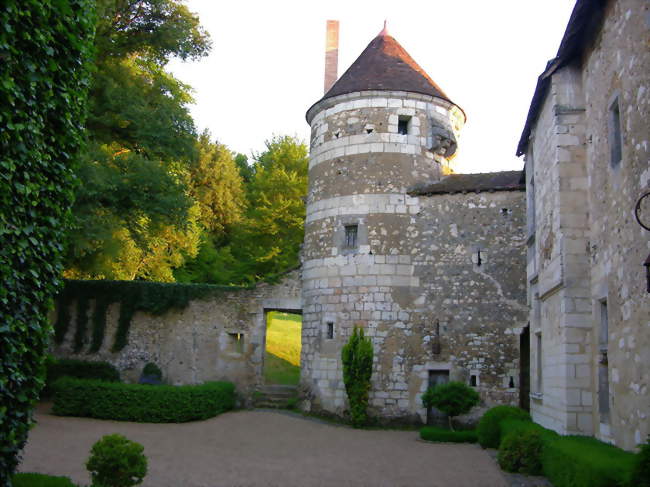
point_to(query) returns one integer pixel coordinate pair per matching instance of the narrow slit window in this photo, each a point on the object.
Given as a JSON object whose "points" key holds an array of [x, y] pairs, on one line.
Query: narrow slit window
{"points": [[538, 351], [330, 330], [351, 232], [472, 380], [615, 138], [403, 125]]}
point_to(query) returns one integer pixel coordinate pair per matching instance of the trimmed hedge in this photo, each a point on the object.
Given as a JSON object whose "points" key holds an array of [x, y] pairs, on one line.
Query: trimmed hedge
{"points": [[521, 451], [79, 369], [141, 403], [511, 425], [430, 433], [489, 429], [641, 468], [581, 461], [40, 480]]}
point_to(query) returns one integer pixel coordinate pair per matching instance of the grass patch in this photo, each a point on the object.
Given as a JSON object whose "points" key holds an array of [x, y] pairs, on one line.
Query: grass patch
{"points": [[40, 480], [283, 345], [431, 433]]}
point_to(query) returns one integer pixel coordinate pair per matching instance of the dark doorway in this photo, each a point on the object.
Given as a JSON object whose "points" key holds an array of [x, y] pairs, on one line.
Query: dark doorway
{"points": [[524, 369], [434, 416]]}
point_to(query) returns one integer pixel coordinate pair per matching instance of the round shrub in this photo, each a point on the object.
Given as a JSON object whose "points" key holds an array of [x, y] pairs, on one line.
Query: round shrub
{"points": [[453, 399], [488, 429], [151, 374], [641, 468], [521, 451], [116, 461]]}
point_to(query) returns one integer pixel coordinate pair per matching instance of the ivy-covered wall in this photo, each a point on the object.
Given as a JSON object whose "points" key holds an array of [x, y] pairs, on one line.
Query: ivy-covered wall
{"points": [[188, 330], [45, 47]]}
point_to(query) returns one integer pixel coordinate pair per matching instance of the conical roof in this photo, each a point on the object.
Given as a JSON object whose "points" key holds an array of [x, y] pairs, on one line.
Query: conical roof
{"points": [[385, 66]]}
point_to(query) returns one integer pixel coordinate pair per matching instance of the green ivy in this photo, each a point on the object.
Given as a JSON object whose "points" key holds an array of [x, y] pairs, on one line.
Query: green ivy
{"points": [[155, 298], [82, 323], [45, 49]]}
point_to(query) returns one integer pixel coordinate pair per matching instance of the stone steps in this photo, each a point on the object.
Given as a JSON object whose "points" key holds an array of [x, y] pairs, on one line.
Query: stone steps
{"points": [[275, 396]]}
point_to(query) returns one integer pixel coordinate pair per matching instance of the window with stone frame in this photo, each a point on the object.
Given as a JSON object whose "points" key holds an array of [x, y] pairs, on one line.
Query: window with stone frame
{"points": [[236, 342], [351, 236], [403, 125], [614, 135]]}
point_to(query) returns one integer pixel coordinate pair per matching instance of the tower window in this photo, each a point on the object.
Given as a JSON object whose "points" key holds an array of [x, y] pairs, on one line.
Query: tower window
{"points": [[351, 236], [403, 125], [330, 330], [472, 380], [614, 134]]}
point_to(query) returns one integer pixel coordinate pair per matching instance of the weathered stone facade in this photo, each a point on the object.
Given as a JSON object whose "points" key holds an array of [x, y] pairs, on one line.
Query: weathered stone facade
{"points": [[201, 342], [590, 311], [436, 281]]}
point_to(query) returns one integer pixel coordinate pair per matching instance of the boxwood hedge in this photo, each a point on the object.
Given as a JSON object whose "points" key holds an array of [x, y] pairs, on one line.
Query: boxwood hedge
{"points": [[40, 480], [581, 461], [489, 426], [45, 50], [141, 403]]}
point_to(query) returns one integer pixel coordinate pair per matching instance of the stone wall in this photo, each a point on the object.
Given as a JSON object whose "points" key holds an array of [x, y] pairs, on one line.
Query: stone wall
{"points": [[413, 280], [435, 293], [198, 343], [589, 306]]}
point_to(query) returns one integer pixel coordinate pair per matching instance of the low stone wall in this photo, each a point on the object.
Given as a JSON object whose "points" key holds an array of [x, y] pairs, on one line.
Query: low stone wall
{"points": [[220, 337]]}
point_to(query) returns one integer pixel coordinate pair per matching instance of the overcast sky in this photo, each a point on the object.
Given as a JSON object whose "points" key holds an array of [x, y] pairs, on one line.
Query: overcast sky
{"points": [[267, 62]]}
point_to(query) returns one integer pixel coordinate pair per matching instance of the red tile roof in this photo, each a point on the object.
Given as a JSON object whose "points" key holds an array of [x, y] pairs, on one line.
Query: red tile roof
{"points": [[385, 66]]}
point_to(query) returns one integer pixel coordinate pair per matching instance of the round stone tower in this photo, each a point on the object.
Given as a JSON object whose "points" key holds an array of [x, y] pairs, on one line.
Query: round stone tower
{"points": [[382, 128]]}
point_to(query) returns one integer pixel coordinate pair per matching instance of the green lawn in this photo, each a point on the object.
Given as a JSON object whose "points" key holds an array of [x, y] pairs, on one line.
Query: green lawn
{"points": [[282, 356]]}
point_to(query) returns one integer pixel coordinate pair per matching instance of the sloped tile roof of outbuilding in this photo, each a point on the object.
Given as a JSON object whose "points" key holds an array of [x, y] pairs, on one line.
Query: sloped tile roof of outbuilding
{"points": [[470, 183]]}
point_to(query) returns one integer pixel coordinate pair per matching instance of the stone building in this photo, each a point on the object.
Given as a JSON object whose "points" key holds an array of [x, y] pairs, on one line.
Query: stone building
{"points": [[431, 264], [587, 162]]}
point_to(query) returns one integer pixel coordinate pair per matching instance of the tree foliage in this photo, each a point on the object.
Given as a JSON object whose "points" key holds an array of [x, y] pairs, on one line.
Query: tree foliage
{"points": [[45, 47], [453, 399], [269, 239], [356, 356], [134, 214]]}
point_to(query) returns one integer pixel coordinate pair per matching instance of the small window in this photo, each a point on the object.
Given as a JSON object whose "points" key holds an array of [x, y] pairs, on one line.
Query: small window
{"points": [[403, 125], [614, 132], [351, 236], [472, 380], [330, 330], [236, 342]]}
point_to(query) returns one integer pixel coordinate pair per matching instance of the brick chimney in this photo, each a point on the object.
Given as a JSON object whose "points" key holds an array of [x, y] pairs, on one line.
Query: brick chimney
{"points": [[331, 53]]}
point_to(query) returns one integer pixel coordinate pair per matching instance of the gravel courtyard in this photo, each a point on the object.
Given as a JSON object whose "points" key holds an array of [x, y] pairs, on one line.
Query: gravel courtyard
{"points": [[263, 448]]}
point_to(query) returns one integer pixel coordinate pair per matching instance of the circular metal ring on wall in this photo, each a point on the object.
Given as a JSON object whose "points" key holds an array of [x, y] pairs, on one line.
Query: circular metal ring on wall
{"points": [[643, 217]]}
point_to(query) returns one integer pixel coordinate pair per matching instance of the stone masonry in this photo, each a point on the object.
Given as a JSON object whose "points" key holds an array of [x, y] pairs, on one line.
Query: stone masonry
{"points": [[436, 280], [219, 338], [587, 162]]}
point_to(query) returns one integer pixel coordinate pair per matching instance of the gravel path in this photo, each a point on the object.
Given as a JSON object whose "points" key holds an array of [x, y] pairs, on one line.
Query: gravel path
{"points": [[263, 448]]}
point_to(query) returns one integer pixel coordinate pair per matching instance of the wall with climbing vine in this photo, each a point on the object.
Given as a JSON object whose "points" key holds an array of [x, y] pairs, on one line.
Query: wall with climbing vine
{"points": [[45, 50], [193, 332]]}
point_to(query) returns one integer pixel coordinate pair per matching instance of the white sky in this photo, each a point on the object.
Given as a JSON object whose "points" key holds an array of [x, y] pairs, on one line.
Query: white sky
{"points": [[267, 62]]}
